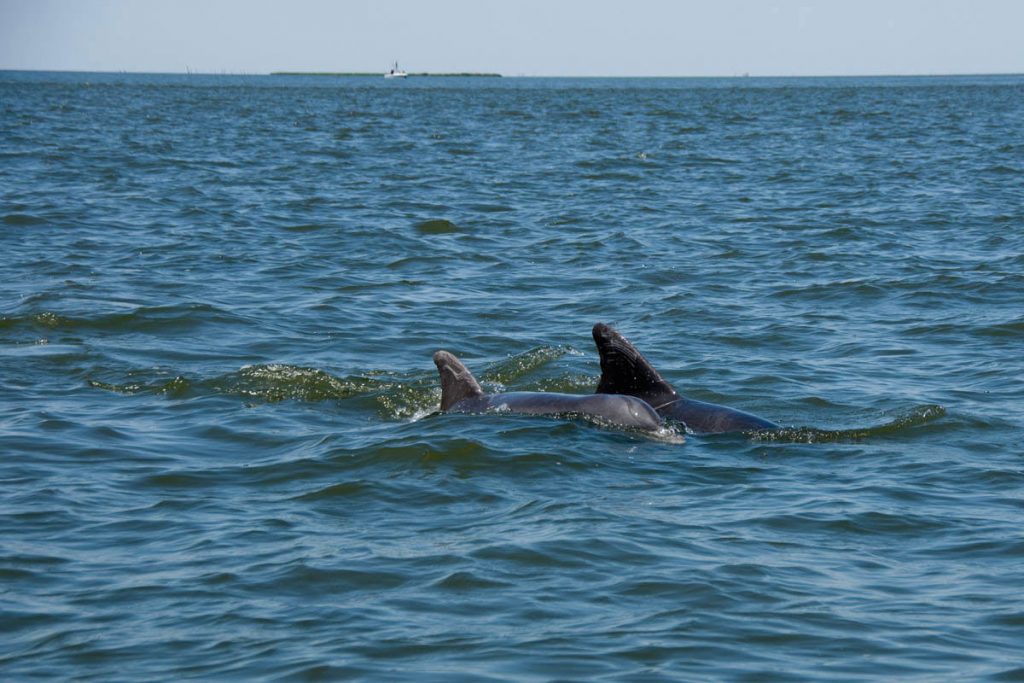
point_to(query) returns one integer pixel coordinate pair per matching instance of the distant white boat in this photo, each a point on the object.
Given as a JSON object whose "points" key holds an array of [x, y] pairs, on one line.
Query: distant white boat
{"points": [[395, 72]]}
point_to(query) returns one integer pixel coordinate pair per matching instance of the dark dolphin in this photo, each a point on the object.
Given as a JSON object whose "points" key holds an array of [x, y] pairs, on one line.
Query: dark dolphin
{"points": [[461, 393], [625, 371]]}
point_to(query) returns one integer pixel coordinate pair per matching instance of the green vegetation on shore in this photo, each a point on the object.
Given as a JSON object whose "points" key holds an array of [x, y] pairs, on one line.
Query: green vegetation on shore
{"points": [[357, 73]]}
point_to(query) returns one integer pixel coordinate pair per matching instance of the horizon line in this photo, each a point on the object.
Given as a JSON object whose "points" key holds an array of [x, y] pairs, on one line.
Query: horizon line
{"points": [[362, 74]]}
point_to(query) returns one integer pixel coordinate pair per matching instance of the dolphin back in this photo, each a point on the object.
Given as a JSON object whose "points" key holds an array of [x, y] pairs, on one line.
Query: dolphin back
{"points": [[460, 392], [709, 418], [613, 409], [620, 409]]}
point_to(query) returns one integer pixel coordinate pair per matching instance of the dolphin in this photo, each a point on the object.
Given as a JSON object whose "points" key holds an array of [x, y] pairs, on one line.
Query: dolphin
{"points": [[625, 371], [461, 393]]}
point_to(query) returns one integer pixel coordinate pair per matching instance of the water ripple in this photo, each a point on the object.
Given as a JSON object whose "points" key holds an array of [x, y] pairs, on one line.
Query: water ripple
{"points": [[222, 456]]}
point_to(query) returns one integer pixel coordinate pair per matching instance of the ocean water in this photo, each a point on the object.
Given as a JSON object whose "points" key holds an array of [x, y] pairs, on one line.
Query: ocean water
{"points": [[220, 456]]}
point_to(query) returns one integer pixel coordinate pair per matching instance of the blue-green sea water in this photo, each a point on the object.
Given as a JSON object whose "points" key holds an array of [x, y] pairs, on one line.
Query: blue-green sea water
{"points": [[220, 456]]}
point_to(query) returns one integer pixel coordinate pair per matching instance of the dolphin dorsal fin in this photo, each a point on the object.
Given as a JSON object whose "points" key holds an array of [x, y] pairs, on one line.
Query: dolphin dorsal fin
{"points": [[624, 370], [457, 382]]}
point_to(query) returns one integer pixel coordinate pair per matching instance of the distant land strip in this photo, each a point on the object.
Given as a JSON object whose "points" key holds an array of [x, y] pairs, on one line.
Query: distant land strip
{"points": [[377, 74]]}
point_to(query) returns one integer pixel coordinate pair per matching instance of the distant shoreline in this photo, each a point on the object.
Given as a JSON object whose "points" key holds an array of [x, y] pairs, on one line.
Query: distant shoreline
{"points": [[378, 75]]}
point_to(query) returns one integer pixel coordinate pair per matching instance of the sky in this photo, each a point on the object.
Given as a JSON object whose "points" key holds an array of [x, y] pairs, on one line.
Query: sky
{"points": [[518, 37]]}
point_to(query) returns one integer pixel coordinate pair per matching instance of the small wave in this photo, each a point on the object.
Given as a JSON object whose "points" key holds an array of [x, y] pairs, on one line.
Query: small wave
{"points": [[278, 382], [342, 490], [872, 522], [699, 160], [396, 398], [300, 578], [1013, 328], [409, 400], [524, 363], [177, 387], [825, 291], [565, 384], [437, 226], [662, 113], [1001, 169], [22, 219], [915, 417], [618, 176], [143, 319], [424, 452], [491, 208], [305, 227], [468, 581], [42, 348]]}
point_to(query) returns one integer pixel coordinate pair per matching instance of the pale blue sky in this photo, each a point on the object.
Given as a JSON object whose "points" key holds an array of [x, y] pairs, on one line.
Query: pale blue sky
{"points": [[518, 37]]}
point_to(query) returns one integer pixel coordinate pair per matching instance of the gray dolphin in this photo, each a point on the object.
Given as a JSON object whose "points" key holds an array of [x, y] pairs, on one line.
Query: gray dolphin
{"points": [[461, 393], [625, 371]]}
